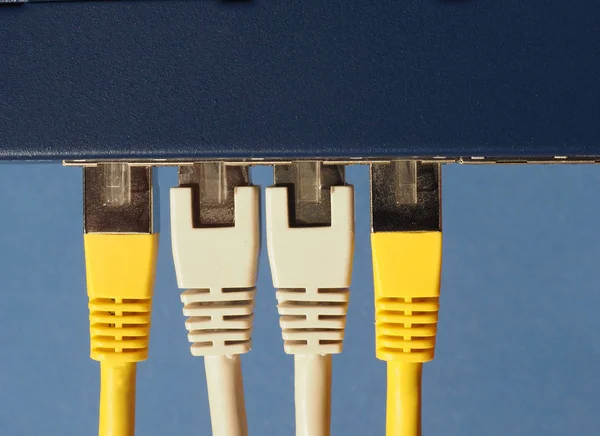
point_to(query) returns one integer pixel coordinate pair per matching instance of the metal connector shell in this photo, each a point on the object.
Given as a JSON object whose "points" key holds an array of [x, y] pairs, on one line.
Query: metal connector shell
{"points": [[117, 198], [405, 196]]}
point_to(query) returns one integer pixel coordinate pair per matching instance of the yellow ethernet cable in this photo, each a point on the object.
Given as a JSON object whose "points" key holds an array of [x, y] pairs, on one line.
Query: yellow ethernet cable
{"points": [[406, 240], [120, 258]]}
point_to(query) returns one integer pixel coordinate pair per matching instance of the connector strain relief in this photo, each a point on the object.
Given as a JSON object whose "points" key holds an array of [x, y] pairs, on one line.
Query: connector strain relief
{"points": [[219, 321], [313, 320], [119, 329], [406, 328]]}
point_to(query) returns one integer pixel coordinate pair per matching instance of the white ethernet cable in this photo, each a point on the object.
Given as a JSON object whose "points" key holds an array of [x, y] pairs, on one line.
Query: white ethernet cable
{"points": [[311, 264], [216, 259]]}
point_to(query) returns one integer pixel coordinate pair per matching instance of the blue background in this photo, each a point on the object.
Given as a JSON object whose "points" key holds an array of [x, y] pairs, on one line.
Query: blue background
{"points": [[518, 345]]}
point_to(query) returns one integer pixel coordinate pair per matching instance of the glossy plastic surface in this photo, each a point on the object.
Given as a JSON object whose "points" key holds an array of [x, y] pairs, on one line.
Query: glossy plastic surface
{"points": [[312, 269], [406, 271], [281, 79], [120, 271], [218, 266]]}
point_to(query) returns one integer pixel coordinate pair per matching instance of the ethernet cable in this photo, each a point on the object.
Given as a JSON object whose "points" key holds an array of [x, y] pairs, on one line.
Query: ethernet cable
{"points": [[406, 240], [120, 257], [310, 239], [216, 239]]}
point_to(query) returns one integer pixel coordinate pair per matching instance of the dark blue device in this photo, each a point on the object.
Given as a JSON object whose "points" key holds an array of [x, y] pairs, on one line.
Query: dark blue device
{"points": [[278, 79]]}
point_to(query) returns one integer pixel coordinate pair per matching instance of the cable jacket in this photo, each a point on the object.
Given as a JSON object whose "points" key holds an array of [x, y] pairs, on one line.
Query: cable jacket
{"points": [[404, 399], [226, 395], [313, 394], [117, 399]]}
